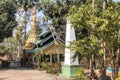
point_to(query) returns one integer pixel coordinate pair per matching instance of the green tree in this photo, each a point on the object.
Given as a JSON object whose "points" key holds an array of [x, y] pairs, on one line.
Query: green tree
{"points": [[87, 43], [8, 44], [103, 37], [24, 8], [7, 18], [109, 32], [19, 33], [57, 11]]}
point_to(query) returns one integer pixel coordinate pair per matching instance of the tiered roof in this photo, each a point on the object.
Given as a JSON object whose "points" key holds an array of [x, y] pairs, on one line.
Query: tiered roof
{"points": [[45, 41]]}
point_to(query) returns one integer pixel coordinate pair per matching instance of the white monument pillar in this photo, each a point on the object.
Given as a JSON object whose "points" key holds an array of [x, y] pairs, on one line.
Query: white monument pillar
{"points": [[70, 37], [70, 67]]}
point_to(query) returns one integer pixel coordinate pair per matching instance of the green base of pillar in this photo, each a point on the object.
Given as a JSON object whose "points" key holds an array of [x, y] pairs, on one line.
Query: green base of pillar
{"points": [[69, 71]]}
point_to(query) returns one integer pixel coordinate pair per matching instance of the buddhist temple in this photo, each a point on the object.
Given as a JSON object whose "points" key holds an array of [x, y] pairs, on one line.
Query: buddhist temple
{"points": [[47, 42]]}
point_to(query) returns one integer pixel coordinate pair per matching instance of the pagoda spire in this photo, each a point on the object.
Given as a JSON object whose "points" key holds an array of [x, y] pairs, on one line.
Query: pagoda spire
{"points": [[34, 18], [33, 32]]}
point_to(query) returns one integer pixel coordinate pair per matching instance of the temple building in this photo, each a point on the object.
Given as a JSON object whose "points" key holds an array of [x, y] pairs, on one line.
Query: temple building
{"points": [[49, 46], [45, 43]]}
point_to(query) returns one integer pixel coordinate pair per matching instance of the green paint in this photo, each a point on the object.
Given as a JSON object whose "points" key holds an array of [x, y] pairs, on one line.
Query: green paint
{"points": [[69, 71]]}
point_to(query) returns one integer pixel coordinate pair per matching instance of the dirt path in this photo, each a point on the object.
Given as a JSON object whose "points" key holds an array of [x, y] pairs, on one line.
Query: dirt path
{"points": [[25, 74]]}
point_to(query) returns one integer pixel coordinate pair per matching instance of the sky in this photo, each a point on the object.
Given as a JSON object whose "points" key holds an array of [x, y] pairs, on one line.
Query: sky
{"points": [[20, 19], [116, 0]]}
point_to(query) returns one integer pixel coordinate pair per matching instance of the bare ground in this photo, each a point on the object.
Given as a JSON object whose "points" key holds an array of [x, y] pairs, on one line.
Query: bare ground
{"points": [[31, 74], [26, 74]]}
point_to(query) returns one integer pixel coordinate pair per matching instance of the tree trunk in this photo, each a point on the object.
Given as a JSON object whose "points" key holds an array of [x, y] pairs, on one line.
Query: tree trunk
{"points": [[91, 65], [25, 24], [105, 60], [103, 45], [117, 57], [113, 65], [94, 62], [92, 73], [103, 66], [88, 63], [104, 5], [117, 62]]}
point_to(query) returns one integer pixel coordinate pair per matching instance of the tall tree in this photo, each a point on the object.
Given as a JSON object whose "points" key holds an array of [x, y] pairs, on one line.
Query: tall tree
{"points": [[57, 11], [103, 45], [109, 32], [87, 43], [105, 32], [7, 18], [25, 9]]}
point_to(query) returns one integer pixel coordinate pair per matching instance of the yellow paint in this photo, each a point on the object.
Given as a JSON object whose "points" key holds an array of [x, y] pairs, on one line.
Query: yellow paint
{"points": [[33, 33], [53, 49]]}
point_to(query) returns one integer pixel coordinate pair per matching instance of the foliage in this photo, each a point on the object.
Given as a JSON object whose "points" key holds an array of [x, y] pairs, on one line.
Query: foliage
{"points": [[8, 44], [19, 33], [109, 24], [24, 12], [80, 74], [25, 4], [87, 40], [7, 18], [2, 49], [97, 26], [44, 65], [57, 11], [106, 27], [51, 70]]}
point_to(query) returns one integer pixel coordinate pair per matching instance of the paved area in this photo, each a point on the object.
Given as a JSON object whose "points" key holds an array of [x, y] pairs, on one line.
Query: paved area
{"points": [[26, 74]]}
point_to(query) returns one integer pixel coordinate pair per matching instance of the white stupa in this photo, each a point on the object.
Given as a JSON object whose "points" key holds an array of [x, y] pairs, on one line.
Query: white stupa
{"points": [[70, 37], [70, 67]]}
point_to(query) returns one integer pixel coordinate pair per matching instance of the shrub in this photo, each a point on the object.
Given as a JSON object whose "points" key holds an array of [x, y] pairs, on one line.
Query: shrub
{"points": [[80, 74], [44, 65], [51, 70]]}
